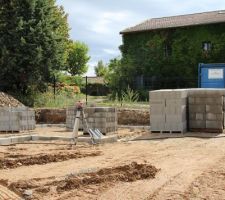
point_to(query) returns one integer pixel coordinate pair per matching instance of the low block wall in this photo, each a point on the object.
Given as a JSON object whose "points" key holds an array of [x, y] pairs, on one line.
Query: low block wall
{"points": [[125, 116]]}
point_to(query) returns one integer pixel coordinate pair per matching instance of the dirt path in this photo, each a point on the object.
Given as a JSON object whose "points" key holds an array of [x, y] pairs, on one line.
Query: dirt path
{"points": [[185, 164]]}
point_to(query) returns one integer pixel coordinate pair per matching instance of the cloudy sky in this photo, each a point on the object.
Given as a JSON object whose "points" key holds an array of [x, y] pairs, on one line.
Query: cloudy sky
{"points": [[98, 22]]}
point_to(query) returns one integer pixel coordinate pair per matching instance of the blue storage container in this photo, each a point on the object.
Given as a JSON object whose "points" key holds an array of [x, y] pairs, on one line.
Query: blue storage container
{"points": [[211, 75]]}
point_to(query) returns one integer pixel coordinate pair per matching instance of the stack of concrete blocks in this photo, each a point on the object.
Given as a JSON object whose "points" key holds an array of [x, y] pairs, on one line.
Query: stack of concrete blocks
{"points": [[206, 109], [26, 118], [70, 118], [168, 110], [15, 119], [102, 118]]}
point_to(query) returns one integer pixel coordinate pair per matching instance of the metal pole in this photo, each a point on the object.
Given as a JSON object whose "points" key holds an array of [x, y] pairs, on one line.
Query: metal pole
{"points": [[54, 85], [86, 89]]}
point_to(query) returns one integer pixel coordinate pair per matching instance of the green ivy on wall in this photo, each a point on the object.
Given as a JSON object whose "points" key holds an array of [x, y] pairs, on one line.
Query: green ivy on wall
{"points": [[144, 52]]}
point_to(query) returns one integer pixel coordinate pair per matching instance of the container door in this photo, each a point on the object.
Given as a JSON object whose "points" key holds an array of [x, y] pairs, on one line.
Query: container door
{"points": [[212, 77]]}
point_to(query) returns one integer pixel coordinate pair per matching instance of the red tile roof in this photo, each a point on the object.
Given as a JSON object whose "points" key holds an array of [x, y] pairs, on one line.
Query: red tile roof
{"points": [[178, 21]]}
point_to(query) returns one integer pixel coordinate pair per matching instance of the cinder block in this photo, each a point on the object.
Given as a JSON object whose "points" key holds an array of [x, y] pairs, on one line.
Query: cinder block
{"points": [[157, 109], [192, 116], [191, 100], [197, 124], [154, 102], [197, 109], [176, 102], [214, 108], [180, 93], [170, 110], [214, 117], [158, 118], [214, 124], [206, 92], [207, 100], [214, 100], [199, 116], [5, 141]]}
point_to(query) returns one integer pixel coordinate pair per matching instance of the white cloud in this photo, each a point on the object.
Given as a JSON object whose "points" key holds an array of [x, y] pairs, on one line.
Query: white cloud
{"points": [[98, 23], [106, 20], [111, 51]]}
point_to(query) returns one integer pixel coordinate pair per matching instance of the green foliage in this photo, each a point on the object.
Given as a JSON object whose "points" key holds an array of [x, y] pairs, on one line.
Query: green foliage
{"points": [[101, 69], [77, 58], [143, 53], [114, 73], [33, 40], [62, 99], [130, 95], [70, 80]]}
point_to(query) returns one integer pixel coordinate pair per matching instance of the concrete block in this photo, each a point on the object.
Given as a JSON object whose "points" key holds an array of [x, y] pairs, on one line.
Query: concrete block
{"points": [[154, 102], [197, 124], [176, 102], [214, 100], [205, 100], [157, 109], [191, 100], [192, 116], [180, 93], [158, 118], [214, 124], [35, 137], [199, 116], [5, 141], [214, 108], [214, 117], [206, 92], [197, 109], [20, 139], [176, 118], [181, 109]]}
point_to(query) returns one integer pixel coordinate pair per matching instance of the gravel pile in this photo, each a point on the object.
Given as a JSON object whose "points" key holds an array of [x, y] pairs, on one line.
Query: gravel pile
{"points": [[7, 100]]}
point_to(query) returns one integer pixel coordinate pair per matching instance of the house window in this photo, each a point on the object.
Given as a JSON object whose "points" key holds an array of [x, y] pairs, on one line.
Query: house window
{"points": [[206, 46], [167, 50]]}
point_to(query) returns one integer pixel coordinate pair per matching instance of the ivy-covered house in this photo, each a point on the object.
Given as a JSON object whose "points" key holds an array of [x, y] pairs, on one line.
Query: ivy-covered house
{"points": [[173, 46]]}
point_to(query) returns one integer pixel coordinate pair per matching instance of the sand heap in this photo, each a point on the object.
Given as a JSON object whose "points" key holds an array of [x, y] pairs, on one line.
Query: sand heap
{"points": [[8, 100]]}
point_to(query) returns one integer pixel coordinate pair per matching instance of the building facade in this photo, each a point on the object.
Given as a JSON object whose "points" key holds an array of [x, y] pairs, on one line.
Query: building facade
{"points": [[173, 46]]}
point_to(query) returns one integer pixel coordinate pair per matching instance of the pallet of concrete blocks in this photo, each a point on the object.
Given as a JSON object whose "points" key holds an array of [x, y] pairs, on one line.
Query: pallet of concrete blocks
{"points": [[26, 118], [70, 118], [102, 118], [15, 119], [206, 110], [168, 110]]}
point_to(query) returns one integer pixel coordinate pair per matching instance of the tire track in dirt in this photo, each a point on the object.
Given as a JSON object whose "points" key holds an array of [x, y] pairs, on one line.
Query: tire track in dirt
{"points": [[210, 184]]}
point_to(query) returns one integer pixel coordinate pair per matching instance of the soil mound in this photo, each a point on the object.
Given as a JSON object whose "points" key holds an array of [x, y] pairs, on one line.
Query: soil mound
{"points": [[8, 100], [104, 177], [14, 161], [125, 173]]}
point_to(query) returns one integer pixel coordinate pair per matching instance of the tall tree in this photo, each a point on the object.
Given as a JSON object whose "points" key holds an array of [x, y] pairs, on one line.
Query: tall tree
{"points": [[77, 58], [33, 39], [100, 69]]}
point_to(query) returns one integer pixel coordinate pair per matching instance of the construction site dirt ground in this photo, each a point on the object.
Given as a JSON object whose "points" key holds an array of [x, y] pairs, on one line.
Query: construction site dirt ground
{"points": [[174, 168]]}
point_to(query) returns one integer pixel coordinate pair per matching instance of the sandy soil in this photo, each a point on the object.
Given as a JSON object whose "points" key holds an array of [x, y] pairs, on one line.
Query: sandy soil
{"points": [[186, 168]]}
